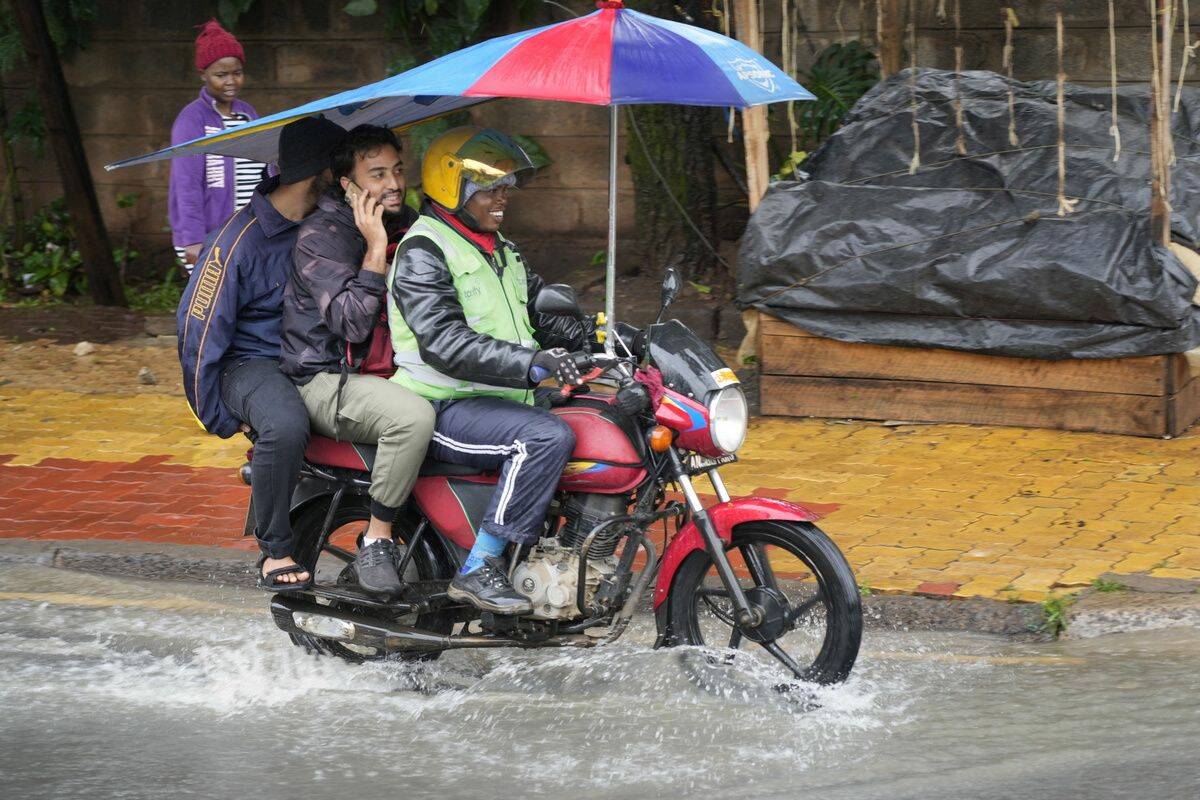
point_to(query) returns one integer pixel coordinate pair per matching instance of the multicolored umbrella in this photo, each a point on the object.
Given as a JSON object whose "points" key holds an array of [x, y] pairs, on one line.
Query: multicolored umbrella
{"points": [[614, 56]]}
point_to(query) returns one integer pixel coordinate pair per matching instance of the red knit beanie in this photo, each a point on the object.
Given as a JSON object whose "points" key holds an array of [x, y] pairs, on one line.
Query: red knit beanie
{"points": [[215, 43]]}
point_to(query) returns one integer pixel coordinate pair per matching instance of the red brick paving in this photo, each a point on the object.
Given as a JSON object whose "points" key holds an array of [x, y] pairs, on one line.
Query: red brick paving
{"points": [[147, 500]]}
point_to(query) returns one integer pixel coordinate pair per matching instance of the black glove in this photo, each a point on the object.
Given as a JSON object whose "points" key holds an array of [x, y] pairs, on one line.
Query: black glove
{"points": [[557, 362]]}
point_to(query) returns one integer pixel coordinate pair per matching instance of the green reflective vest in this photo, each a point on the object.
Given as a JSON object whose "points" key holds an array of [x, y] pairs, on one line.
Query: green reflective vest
{"points": [[494, 304]]}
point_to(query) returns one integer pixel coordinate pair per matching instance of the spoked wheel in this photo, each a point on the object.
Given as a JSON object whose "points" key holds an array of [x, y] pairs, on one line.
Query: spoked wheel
{"points": [[800, 581], [333, 565]]}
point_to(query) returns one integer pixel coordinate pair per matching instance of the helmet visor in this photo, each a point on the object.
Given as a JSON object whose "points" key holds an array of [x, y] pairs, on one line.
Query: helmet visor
{"points": [[489, 156]]}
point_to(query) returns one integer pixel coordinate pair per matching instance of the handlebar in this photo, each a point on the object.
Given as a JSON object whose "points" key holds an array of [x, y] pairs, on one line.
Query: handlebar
{"points": [[592, 366]]}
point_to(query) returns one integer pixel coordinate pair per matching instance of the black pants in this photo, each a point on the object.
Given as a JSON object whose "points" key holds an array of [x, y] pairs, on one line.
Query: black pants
{"points": [[265, 399], [530, 446]]}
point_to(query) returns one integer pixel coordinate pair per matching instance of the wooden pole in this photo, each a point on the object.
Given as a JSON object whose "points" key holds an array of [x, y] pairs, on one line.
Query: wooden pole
{"points": [[63, 132], [754, 134], [754, 120], [891, 37], [1160, 122]]}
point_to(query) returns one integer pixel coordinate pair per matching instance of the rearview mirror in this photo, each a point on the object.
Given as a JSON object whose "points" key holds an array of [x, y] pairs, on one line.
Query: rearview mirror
{"points": [[558, 299], [670, 290]]}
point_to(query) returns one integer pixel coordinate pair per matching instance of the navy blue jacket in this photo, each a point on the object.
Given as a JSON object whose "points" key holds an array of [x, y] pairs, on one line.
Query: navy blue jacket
{"points": [[232, 307]]}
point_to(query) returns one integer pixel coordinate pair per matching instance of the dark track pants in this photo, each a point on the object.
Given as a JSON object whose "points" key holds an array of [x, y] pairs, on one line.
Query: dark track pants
{"points": [[530, 446], [265, 399]]}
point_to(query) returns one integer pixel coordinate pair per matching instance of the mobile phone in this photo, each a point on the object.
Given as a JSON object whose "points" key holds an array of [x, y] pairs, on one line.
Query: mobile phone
{"points": [[352, 191]]}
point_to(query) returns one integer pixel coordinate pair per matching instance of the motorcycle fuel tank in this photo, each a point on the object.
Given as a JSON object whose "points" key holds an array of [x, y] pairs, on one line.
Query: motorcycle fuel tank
{"points": [[607, 458]]}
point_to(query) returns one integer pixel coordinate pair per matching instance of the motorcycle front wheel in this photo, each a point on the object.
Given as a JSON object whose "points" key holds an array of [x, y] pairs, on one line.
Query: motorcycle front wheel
{"points": [[801, 582]]}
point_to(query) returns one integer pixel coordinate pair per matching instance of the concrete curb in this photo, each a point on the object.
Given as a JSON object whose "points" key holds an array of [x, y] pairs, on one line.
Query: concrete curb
{"points": [[1148, 605]]}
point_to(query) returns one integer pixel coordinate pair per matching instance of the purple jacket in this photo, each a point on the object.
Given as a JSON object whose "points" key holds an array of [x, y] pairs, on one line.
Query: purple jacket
{"points": [[202, 186]]}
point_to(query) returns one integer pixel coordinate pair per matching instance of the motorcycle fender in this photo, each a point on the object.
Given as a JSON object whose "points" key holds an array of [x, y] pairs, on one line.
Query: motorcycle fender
{"points": [[725, 517]]}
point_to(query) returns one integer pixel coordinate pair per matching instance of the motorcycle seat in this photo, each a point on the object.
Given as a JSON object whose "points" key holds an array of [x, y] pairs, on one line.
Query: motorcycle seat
{"points": [[328, 452]]}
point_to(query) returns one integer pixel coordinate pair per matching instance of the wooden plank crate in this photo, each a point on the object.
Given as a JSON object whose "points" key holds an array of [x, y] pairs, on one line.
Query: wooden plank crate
{"points": [[804, 375]]}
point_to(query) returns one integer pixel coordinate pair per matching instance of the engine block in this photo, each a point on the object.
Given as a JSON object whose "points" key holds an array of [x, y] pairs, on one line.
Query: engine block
{"points": [[549, 577]]}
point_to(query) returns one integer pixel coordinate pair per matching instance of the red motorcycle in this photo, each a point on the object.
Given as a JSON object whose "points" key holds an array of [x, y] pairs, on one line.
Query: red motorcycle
{"points": [[751, 568]]}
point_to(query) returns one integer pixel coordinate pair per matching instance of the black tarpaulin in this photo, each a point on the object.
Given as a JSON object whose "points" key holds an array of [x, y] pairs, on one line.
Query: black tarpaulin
{"points": [[969, 253]]}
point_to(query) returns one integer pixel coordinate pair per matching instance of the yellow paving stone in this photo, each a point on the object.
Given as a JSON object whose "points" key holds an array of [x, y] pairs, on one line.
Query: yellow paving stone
{"points": [[1187, 557], [1139, 562], [978, 506], [1186, 574], [1037, 579]]}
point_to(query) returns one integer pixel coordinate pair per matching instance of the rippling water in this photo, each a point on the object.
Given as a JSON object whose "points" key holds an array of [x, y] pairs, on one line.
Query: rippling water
{"points": [[115, 688]]}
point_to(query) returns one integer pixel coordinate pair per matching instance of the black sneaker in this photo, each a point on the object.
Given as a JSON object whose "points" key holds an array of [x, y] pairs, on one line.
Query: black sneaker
{"points": [[376, 568], [487, 588]]}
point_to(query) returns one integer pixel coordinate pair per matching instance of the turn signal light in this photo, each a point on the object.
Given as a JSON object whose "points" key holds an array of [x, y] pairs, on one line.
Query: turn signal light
{"points": [[660, 438]]}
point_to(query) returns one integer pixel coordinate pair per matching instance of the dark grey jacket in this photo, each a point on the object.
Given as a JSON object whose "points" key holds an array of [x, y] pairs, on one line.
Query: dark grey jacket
{"points": [[330, 300], [424, 291]]}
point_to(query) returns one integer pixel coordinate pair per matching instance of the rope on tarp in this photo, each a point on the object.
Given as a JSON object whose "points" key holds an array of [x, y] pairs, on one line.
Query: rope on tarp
{"points": [[1065, 205], [1113, 129], [915, 163], [1010, 22]]}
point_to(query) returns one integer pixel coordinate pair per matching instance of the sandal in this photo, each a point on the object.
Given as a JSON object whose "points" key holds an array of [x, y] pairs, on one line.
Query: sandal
{"points": [[268, 582]]}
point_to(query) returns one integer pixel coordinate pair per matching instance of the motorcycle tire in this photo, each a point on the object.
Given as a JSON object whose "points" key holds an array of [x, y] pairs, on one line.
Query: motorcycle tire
{"points": [[836, 592], [307, 526]]}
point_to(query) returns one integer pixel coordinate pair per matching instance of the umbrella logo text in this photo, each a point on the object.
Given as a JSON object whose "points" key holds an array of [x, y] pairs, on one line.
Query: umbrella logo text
{"points": [[750, 70]]}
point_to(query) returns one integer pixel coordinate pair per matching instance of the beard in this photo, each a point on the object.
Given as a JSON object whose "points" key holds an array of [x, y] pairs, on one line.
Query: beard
{"points": [[320, 185]]}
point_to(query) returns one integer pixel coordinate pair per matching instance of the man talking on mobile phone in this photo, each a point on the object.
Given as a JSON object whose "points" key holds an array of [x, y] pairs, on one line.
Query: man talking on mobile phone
{"points": [[334, 306]]}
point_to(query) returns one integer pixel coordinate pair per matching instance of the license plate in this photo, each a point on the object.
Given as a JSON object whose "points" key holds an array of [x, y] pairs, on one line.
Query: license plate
{"points": [[699, 463]]}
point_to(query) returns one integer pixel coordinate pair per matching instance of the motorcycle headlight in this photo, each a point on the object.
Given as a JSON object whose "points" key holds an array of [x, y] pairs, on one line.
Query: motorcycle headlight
{"points": [[728, 417]]}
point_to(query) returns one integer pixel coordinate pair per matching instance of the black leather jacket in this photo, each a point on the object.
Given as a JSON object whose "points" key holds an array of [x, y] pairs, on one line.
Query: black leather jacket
{"points": [[424, 291]]}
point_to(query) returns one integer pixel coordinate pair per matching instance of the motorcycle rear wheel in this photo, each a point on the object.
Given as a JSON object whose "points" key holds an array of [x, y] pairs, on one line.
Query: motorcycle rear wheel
{"points": [[423, 566], [793, 570]]}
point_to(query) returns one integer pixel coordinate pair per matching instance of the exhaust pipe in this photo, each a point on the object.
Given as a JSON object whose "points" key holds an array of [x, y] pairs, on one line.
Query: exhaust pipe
{"points": [[295, 615]]}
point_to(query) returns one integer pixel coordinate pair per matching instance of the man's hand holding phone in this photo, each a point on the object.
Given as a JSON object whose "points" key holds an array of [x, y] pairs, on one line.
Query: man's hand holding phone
{"points": [[368, 217]]}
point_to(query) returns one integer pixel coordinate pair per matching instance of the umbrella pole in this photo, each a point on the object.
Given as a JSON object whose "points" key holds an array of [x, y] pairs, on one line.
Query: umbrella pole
{"points": [[610, 276]]}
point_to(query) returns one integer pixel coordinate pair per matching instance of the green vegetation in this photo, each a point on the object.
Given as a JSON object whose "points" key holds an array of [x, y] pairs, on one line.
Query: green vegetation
{"points": [[160, 297], [839, 76], [864, 590], [1055, 611], [1101, 585]]}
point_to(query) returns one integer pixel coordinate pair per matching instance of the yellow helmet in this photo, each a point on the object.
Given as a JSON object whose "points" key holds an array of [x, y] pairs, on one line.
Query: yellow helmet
{"points": [[480, 155]]}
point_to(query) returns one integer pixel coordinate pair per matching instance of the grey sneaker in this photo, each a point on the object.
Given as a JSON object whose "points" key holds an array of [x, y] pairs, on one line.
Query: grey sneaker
{"points": [[376, 568], [487, 588]]}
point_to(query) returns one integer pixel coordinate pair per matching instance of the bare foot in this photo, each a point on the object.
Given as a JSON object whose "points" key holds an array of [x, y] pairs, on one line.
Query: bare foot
{"points": [[279, 563]]}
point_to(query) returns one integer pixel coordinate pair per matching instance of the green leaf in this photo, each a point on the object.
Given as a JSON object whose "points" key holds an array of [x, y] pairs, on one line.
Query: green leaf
{"points": [[361, 8], [701, 288], [431, 7]]}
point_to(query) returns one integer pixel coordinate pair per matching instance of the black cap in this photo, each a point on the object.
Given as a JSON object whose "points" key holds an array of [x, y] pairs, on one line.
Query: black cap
{"points": [[305, 146]]}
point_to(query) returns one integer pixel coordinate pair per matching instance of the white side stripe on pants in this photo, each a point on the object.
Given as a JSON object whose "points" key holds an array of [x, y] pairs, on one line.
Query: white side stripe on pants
{"points": [[492, 450]]}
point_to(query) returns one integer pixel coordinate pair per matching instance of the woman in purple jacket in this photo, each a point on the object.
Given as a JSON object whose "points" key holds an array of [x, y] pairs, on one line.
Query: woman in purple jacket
{"points": [[207, 189]]}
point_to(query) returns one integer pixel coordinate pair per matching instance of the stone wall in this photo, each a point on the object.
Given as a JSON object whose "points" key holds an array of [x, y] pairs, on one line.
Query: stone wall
{"points": [[1086, 35], [137, 73]]}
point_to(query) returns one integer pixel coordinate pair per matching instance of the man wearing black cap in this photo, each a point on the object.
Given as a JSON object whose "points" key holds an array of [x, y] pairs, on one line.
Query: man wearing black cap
{"points": [[229, 336]]}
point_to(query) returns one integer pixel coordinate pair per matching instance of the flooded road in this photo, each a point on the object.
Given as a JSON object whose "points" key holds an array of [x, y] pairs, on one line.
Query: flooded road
{"points": [[120, 688]]}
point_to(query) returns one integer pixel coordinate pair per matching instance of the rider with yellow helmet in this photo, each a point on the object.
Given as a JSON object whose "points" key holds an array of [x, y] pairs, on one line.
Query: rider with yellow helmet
{"points": [[467, 338]]}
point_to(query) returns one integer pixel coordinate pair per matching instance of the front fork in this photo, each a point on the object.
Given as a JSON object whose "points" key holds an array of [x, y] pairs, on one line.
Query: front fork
{"points": [[747, 614]]}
